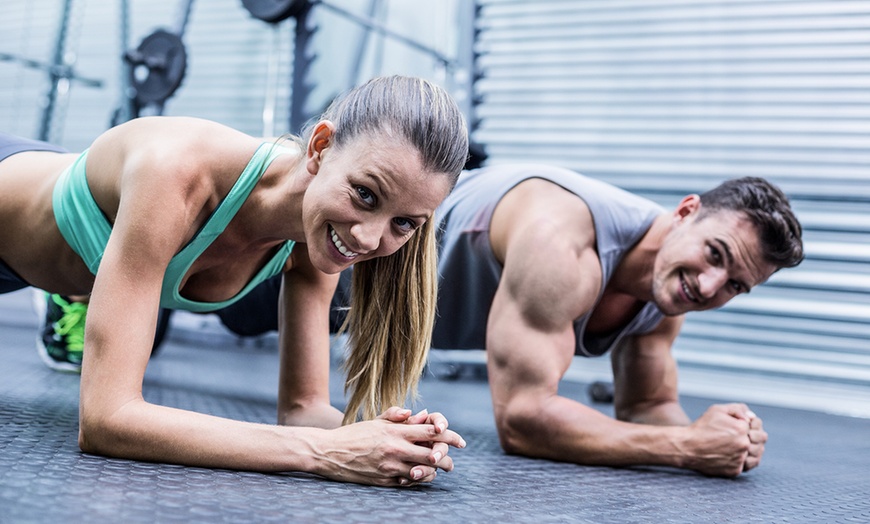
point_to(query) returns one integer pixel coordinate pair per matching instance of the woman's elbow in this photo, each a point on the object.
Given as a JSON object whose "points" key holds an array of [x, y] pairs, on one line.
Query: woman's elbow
{"points": [[100, 431], [90, 431]]}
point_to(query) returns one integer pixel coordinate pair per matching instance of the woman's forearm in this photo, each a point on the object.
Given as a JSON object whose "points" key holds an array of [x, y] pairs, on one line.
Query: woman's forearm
{"points": [[378, 452], [142, 431]]}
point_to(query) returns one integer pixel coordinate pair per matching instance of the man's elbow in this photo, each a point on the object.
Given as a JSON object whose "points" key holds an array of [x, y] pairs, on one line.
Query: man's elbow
{"points": [[516, 431]]}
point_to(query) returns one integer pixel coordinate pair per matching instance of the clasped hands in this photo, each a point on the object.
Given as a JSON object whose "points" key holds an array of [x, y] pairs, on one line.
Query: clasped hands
{"points": [[397, 448], [437, 442]]}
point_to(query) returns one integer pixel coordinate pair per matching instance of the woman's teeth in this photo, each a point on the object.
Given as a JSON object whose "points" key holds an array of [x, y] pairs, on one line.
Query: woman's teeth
{"points": [[338, 245]]}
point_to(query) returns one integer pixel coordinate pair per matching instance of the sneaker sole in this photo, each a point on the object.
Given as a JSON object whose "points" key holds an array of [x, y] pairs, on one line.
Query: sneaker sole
{"points": [[39, 298], [66, 367]]}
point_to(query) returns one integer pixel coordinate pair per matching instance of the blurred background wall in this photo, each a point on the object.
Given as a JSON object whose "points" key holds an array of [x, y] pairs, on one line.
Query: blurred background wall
{"points": [[661, 97]]}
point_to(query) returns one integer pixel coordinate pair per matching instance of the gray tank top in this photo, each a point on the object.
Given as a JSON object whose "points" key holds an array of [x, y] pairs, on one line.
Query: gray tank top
{"points": [[469, 272]]}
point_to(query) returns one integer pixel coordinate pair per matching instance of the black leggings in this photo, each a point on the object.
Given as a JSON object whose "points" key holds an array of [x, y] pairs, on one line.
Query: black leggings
{"points": [[9, 145], [9, 279], [257, 312]]}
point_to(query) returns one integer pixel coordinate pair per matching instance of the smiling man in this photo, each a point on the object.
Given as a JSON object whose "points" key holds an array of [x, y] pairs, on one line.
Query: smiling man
{"points": [[539, 264]]}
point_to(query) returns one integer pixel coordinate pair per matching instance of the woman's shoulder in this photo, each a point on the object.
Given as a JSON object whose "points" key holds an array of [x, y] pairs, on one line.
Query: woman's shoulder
{"points": [[178, 144], [178, 134]]}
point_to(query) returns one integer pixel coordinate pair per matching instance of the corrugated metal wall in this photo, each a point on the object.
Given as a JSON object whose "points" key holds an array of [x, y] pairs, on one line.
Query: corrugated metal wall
{"points": [[670, 97]]}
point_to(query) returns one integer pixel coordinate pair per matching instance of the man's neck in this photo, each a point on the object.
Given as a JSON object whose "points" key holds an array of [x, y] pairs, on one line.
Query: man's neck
{"points": [[634, 274]]}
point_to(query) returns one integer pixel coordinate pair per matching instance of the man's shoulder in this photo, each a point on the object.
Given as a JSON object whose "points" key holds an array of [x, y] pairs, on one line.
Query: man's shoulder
{"points": [[543, 218]]}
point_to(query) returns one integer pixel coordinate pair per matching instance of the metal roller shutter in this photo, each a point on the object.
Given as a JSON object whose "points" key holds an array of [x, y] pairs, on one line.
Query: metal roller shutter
{"points": [[666, 98]]}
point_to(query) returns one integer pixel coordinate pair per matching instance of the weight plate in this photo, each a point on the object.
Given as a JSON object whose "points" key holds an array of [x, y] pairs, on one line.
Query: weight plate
{"points": [[157, 67], [274, 11]]}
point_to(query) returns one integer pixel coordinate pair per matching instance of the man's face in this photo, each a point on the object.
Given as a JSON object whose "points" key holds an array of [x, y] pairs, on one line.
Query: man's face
{"points": [[705, 262]]}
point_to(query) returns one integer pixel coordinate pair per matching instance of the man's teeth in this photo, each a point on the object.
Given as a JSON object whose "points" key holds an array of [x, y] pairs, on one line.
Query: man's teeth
{"points": [[341, 249], [686, 290]]}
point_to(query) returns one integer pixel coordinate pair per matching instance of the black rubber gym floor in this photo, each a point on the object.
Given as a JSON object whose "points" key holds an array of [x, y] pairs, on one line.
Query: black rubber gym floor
{"points": [[816, 468]]}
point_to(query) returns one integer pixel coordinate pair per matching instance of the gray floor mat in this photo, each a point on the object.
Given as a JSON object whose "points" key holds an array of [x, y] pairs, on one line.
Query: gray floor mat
{"points": [[816, 468]]}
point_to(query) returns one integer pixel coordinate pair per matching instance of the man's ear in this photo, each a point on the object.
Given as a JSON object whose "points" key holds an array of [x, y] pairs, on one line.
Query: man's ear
{"points": [[321, 139], [688, 206]]}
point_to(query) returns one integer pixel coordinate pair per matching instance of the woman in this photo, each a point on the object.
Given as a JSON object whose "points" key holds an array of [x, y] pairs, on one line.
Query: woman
{"points": [[156, 213]]}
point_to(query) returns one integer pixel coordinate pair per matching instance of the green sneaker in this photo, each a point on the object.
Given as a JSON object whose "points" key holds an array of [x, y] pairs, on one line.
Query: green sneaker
{"points": [[62, 339]]}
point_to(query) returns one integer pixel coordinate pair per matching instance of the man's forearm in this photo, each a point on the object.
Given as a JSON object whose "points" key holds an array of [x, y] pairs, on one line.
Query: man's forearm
{"points": [[566, 430], [668, 413]]}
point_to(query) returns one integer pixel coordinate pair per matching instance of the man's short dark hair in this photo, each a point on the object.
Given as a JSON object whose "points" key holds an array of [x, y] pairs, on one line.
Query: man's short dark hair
{"points": [[767, 207]]}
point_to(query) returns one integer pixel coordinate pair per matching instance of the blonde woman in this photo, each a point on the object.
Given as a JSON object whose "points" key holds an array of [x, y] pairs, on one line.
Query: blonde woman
{"points": [[185, 213]]}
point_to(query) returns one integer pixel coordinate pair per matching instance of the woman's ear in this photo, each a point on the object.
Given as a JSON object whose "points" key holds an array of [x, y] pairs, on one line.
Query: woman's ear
{"points": [[321, 139]]}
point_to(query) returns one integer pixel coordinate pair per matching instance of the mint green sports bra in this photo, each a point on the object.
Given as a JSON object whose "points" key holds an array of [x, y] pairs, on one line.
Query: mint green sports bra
{"points": [[86, 228]]}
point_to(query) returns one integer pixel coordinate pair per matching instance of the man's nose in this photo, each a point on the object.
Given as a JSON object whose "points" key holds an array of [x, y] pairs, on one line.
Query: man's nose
{"points": [[711, 281]]}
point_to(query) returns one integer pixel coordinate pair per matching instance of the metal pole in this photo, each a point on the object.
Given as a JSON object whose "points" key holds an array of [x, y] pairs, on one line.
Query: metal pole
{"points": [[181, 26], [156, 108], [125, 110], [466, 72], [272, 82], [56, 73], [301, 62], [356, 63]]}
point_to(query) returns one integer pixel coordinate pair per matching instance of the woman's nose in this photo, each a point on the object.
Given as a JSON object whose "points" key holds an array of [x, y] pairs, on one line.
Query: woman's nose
{"points": [[367, 235]]}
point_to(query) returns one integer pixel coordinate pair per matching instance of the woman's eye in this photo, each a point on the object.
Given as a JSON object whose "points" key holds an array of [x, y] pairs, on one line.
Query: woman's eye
{"points": [[405, 224], [365, 195]]}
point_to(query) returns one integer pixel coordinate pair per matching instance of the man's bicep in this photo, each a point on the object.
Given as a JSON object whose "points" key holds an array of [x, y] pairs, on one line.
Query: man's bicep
{"points": [[530, 335], [520, 351]]}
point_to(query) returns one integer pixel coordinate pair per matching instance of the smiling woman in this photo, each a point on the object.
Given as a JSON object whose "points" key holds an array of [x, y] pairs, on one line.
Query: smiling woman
{"points": [[186, 213]]}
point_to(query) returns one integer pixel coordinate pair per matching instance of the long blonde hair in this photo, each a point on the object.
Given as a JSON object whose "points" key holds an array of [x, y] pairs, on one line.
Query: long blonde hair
{"points": [[390, 325], [392, 310]]}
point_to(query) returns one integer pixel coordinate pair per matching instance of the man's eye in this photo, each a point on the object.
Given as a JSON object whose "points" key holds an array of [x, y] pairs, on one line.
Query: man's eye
{"points": [[717, 256]]}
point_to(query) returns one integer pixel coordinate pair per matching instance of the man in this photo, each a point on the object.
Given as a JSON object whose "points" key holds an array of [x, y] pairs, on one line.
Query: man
{"points": [[539, 264]]}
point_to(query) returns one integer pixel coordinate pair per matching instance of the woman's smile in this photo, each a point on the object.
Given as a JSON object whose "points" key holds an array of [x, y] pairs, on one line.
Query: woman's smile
{"points": [[339, 245]]}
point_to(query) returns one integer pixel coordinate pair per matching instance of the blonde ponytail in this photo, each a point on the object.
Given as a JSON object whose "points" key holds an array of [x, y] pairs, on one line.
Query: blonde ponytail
{"points": [[390, 326]]}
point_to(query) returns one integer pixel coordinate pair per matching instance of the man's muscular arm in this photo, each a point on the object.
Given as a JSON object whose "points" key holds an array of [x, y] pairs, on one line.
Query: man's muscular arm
{"points": [[546, 284]]}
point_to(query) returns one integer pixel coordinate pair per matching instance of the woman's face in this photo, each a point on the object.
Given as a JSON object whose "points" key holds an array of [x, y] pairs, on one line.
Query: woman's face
{"points": [[366, 200]]}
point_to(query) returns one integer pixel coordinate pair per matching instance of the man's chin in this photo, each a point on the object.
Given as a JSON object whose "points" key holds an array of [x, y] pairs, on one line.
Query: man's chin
{"points": [[670, 309]]}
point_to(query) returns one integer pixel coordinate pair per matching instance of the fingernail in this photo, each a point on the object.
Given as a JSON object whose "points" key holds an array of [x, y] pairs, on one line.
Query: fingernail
{"points": [[403, 482], [461, 442], [423, 412], [442, 426], [437, 456], [416, 473], [750, 414]]}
